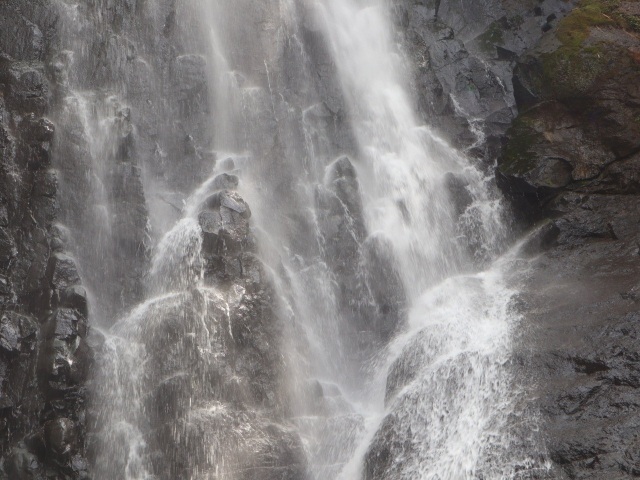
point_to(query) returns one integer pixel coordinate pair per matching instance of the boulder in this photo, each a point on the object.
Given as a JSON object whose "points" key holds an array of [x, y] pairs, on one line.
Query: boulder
{"points": [[17, 333], [62, 271], [27, 87], [60, 436], [74, 297], [225, 224]]}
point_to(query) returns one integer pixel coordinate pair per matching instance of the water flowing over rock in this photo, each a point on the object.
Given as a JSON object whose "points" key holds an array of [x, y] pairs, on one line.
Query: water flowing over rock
{"points": [[264, 240]]}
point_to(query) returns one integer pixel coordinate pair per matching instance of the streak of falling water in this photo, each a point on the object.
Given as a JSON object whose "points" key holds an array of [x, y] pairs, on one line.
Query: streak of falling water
{"points": [[448, 390], [338, 235]]}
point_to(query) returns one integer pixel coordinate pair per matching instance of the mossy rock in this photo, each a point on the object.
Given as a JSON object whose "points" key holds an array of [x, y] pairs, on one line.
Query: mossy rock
{"points": [[518, 155], [582, 61]]}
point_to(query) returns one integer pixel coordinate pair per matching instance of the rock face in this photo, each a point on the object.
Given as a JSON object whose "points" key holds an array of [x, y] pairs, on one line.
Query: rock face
{"points": [[98, 141], [45, 357], [463, 54], [572, 157], [209, 395]]}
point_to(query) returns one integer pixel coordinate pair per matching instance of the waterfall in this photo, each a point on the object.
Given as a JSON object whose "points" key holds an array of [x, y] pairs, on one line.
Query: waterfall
{"points": [[324, 292]]}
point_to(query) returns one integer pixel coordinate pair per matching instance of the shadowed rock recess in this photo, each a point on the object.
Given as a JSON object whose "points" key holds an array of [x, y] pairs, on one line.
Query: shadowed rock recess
{"points": [[211, 270]]}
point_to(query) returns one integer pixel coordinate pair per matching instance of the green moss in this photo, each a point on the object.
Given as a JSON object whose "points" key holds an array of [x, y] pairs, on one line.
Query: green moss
{"points": [[575, 66], [516, 21], [517, 157], [629, 22], [569, 73], [576, 26], [492, 36]]}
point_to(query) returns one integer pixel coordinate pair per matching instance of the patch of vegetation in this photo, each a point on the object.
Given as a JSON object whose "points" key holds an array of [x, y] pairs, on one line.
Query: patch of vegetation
{"points": [[575, 28], [515, 22], [492, 36], [575, 66], [518, 156], [568, 73], [629, 22]]}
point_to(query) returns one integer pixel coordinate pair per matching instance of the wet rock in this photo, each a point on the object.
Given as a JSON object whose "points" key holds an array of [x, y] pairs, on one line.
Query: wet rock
{"points": [[60, 436], [225, 181], [391, 444], [45, 184], [39, 129], [62, 271], [74, 297], [463, 56], [548, 150], [384, 283], [190, 79], [27, 87], [225, 224], [4, 216], [21, 464], [579, 98], [67, 324], [230, 201], [407, 367], [343, 180], [17, 333], [7, 248], [581, 303], [60, 238], [274, 451], [19, 37], [457, 187], [542, 238]]}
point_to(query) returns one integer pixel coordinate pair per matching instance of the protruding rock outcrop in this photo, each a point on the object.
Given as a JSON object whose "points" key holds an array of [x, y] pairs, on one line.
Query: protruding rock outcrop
{"points": [[463, 57], [578, 130], [210, 397]]}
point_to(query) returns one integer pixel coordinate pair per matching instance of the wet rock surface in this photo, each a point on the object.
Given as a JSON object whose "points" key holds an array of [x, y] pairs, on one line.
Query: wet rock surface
{"points": [[463, 56], [44, 360], [571, 157], [211, 388], [582, 310]]}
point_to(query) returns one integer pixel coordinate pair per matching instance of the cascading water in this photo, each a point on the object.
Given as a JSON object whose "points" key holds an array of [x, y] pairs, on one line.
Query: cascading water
{"points": [[354, 322]]}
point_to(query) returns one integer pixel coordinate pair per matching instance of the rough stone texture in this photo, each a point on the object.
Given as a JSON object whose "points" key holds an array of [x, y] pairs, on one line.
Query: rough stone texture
{"points": [[44, 357], [216, 398], [581, 304], [370, 287], [572, 157], [463, 54], [579, 130]]}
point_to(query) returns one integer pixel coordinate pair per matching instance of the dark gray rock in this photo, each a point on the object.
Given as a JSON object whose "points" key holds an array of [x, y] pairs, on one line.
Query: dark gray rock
{"points": [[27, 87], [60, 436], [7, 248], [571, 156], [225, 230], [17, 333], [20, 38], [74, 297], [68, 324], [391, 443], [463, 55], [62, 271]]}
